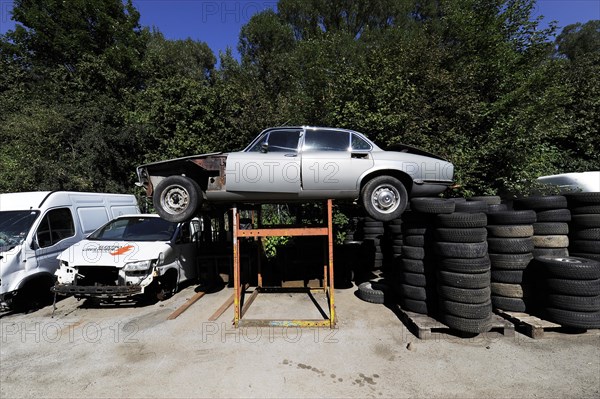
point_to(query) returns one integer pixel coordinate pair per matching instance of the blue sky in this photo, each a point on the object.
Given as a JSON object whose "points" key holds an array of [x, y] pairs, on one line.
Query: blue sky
{"points": [[218, 22]]}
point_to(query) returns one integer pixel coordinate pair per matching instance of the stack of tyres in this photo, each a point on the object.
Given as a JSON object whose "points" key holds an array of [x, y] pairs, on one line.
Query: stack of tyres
{"points": [[585, 225], [371, 235], [550, 231], [510, 241], [463, 281], [573, 298], [417, 276], [393, 256]]}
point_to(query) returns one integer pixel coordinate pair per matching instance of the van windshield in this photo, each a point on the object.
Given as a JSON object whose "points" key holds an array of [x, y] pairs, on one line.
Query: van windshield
{"points": [[14, 226], [135, 229]]}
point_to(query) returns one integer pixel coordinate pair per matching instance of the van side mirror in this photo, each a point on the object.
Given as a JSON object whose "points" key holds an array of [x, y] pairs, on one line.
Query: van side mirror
{"points": [[264, 147], [34, 244]]}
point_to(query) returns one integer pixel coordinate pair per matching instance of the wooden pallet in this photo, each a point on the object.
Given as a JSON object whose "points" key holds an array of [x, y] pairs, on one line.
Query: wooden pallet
{"points": [[534, 327], [426, 327]]}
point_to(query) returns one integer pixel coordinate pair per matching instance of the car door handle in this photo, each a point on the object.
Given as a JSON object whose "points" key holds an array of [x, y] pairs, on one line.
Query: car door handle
{"points": [[291, 155]]}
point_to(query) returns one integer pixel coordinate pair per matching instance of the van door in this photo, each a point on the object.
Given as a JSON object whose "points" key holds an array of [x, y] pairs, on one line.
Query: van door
{"points": [[55, 233], [187, 249]]}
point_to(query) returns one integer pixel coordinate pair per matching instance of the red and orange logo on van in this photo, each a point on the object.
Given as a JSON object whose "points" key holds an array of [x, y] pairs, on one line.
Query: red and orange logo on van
{"points": [[122, 250]]}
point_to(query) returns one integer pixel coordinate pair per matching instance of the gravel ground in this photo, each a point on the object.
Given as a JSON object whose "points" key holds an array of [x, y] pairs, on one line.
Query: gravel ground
{"points": [[128, 352]]}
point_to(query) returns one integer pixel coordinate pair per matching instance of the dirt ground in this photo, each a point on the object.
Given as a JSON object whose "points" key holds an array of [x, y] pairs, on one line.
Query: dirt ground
{"points": [[128, 352]]}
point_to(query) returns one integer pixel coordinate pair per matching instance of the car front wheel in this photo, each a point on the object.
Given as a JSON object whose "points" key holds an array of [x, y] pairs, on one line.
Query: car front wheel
{"points": [[384, 198], [177, 198]]}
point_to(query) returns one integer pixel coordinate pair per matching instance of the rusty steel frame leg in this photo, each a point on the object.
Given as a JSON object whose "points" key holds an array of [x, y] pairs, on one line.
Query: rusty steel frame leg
{"points": [[236, 268], [330, 244]]}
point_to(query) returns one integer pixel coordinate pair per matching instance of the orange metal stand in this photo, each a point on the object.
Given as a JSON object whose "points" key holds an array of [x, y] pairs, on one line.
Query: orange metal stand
{"points": [[327, 288]]}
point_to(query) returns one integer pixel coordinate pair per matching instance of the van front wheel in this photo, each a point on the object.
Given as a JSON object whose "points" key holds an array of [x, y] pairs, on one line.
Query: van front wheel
{"points": [[177, 198]]}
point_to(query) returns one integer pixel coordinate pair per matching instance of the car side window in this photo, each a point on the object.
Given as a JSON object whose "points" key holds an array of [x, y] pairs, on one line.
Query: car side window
{"points": [[283, 141], [358, 143], [55, 226], [326, 140]]}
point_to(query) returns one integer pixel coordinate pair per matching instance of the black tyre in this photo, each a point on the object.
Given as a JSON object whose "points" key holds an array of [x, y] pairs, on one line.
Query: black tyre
{"points": [[395, 228], [554, 215], [464, 280], [586, 246], [574, 303], [413, 305], [574, 319], [464, 295], [488, 199], [413, 266], [576, 199], [550, 228], [459, 265], [510, 230], [177, 198], [373, 230], [372, 291], [557, 252], [461, 235], [474, 326], [510, 245], [471, 206], [541, 202], [509, 304], [586, 234], [571, 267], [511, 261], [432, 205], [412, 292], [557, 241], [414, 241], [462, 220], [507, 276], [585, 209], [413, 230], [574, 287], [497, 208], [467, 310], [371, 223], [384, 198], [35, 294], [413, 252], [461, 250], [512, 217], [414, 279]]}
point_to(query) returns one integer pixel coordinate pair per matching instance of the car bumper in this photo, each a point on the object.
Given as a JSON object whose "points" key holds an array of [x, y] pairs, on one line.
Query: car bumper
{"points": [[106, 291]]}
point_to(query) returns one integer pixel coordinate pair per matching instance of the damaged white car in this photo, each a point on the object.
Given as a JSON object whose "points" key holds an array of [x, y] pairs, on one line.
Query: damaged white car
{"points": [[129, 256]]}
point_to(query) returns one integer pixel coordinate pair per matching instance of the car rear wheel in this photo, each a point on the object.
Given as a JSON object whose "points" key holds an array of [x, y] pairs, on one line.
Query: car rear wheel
{"points": [[177, 198], [384, 198]]}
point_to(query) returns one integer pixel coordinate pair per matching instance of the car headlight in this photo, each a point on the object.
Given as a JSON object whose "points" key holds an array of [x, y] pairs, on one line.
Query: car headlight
{"points": [[138, 266]]}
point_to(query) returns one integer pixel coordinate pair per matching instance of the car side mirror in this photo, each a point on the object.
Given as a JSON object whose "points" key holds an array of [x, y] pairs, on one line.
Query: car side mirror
{"points": [[264, 147]]}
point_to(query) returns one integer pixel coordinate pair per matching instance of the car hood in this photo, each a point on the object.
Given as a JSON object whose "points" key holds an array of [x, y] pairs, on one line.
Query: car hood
{"points": [[112, 253]]}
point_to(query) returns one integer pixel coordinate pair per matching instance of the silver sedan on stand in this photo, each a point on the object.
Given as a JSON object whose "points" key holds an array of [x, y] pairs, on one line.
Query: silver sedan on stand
{"points": [[298, 164]]}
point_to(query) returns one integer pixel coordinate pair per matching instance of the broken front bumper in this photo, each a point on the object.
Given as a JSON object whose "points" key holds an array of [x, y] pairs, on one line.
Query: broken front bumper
{"points": [[98, 291]]}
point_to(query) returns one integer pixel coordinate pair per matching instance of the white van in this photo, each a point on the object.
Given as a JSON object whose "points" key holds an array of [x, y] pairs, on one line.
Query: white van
{"points": [[36, 226], [129, 256]]}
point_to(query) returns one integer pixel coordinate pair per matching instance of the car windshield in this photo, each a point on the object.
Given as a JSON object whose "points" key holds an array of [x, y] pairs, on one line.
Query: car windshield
{"points": [[135, 229], [14, 226]]}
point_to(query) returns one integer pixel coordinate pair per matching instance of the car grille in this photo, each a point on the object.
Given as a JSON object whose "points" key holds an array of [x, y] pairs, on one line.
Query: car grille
{"points": [[97, 275]]}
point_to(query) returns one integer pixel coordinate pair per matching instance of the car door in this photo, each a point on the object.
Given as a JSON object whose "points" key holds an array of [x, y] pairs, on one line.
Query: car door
{"points": [[55, 233], [333, 160], [187, 249], [272, 165]]}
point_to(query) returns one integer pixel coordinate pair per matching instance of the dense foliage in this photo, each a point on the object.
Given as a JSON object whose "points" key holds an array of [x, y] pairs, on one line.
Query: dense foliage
{"points": [[86, 93]]}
